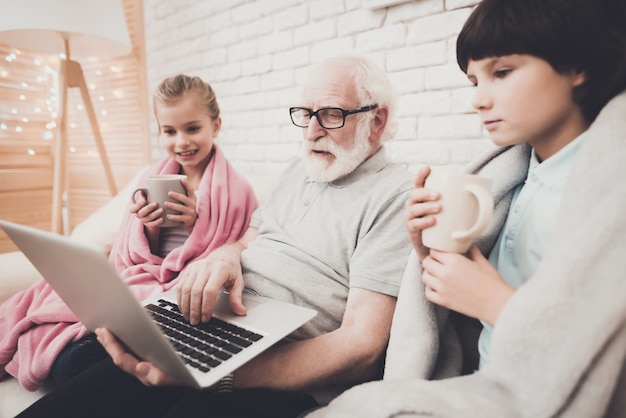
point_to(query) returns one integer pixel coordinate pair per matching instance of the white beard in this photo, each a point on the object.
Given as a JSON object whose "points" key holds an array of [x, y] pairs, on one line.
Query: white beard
{"points": [[346, 160]]}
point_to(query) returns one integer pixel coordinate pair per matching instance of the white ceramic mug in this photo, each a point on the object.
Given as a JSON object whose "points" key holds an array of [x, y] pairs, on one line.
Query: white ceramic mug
{"points": [[156, 190], [466, 209]]}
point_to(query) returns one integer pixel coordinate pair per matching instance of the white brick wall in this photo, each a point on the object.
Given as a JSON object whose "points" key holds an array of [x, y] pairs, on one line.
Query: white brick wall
{"points": [[257, 53]]}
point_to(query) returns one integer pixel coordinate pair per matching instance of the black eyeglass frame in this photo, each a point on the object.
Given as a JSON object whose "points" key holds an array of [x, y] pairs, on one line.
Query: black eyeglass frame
{"points": [[315, 113]]}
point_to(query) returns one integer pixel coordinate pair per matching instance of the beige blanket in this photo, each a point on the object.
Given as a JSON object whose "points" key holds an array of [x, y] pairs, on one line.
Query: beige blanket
{"points": [[559, 346]]}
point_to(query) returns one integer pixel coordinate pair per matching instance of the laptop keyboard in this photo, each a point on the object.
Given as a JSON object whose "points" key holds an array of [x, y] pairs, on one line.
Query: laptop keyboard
{"points": [[202, 346]]}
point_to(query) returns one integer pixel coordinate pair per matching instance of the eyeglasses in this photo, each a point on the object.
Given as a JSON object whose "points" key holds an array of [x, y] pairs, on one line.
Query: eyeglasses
{"points": [[327, 117]]}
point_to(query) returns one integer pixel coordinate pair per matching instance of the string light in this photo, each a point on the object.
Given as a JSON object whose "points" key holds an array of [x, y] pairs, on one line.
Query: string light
{"points": [[47, 83]]}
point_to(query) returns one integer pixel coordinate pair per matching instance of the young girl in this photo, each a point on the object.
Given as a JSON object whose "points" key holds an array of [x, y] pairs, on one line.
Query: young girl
{"points": [[215, 211], [189, 120]]}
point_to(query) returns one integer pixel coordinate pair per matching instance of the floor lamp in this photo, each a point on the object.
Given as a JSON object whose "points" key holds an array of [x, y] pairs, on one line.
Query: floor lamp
{"points": [[82, 28]]}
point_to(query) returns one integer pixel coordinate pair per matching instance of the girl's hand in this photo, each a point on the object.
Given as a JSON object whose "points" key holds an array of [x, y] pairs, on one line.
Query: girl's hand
{"points": [[150, 214], [186, 207], [421, 205], [470, 285]]}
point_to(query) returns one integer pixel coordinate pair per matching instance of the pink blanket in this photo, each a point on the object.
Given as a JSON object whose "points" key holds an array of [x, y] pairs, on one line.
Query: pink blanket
{"points": [[35, 325]]}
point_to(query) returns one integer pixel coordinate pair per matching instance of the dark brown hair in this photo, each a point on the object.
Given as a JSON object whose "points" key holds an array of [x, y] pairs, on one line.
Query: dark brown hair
{"points": [[585, 36]]}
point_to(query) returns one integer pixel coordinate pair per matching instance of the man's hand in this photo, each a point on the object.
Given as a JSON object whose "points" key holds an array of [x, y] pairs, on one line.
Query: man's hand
{"points": [[145, 371], [202, 281]]}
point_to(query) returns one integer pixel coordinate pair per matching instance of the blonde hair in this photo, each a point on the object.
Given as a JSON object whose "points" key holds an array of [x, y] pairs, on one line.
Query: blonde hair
{"points": [[173, 89]]}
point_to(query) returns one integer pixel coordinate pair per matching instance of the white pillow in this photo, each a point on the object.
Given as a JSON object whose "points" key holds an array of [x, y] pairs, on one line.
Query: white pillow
{"points": [[101, 226]]}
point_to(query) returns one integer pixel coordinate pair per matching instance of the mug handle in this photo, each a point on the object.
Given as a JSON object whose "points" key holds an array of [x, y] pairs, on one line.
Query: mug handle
{"points": [[485, 210], [141, 189]]}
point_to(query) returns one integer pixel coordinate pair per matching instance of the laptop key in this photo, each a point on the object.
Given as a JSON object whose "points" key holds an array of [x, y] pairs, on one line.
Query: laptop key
{"points": [[203, 346]]}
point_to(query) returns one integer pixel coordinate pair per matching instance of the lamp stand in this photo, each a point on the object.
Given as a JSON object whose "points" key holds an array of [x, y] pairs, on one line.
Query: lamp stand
{"points": [[72, 76]]}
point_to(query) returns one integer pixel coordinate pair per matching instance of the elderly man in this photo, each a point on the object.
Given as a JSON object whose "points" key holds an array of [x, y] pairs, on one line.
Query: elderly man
{"points": [[330, 237]]}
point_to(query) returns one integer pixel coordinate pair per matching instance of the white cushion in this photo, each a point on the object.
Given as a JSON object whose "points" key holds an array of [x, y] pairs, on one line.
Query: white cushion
{"points": [[17, 273], [101, 226], [14, 398]]}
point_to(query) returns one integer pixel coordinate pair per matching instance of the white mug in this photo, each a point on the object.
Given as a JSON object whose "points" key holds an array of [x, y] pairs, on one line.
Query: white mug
{"points": [[466, 209], [156, 190]]}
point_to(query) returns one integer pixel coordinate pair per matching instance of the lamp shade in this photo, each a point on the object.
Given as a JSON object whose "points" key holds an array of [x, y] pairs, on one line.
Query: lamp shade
{"points": [[91, 27]]}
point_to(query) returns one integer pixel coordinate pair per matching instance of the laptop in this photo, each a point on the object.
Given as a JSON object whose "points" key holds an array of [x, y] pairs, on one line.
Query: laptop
{"points": [[199, 356]]}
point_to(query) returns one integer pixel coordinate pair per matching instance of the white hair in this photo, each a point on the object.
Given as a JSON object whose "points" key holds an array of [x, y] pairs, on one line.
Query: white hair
{"points": [[372, 86]]}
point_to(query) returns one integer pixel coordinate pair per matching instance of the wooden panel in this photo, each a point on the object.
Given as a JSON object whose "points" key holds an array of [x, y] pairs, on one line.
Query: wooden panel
{"points": [[21, 180], [28, 207], [29, 106], [25, 141], [22, 154]]}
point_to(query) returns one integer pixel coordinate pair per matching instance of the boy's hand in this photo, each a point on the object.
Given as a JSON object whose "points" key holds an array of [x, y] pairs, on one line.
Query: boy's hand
{"points": [[470, 285], [421, 205]]}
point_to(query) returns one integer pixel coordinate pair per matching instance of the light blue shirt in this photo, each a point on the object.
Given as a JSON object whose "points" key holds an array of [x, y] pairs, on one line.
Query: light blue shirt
{"points": [[528, 228]]}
